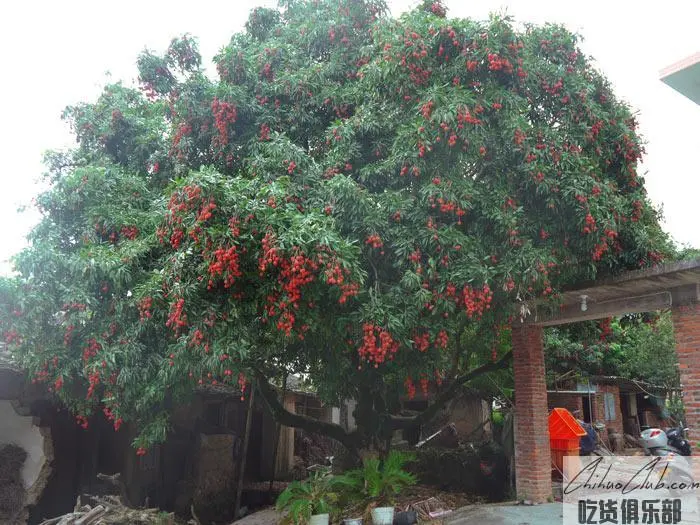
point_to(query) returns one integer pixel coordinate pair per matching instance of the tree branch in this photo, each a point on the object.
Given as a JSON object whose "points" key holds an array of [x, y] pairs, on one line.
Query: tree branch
{"points": [[458, 348], [282, 416], [400, 423]]}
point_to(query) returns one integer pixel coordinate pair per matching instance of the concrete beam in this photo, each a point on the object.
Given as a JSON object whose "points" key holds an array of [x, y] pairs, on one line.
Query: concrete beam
{"points": [[575, 313], [684, 295]]}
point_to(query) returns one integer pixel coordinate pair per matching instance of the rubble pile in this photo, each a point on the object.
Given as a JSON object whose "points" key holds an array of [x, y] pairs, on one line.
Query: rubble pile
{"points": [[109, 510]]}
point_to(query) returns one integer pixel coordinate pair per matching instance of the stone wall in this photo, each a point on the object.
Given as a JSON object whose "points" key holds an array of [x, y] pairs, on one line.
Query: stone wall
{"points": [[36, 442], [215, 464], [21, 431], [471, 417]]}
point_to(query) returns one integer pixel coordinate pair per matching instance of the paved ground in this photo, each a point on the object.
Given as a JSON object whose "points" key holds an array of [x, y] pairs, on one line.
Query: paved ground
{"points": [[547, 514], [503, 514], [263, 517]]}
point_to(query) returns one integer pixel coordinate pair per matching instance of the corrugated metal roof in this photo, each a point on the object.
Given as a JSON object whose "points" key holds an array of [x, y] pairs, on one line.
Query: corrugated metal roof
{"points": [[633, 384]]}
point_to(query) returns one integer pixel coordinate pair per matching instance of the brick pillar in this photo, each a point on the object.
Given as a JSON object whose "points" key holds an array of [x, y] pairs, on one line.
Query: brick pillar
{"points": [[533, 463], [686, 325]]}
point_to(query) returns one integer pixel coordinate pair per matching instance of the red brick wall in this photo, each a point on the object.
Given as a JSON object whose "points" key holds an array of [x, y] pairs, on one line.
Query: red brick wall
{"points": [[617, 423], [653, 419], [571, 402], [686, 325], [533, 467]]}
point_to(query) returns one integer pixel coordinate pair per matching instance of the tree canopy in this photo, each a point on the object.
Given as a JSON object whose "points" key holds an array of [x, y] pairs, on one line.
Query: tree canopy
{"points": [[365, 199], [639, 347]]}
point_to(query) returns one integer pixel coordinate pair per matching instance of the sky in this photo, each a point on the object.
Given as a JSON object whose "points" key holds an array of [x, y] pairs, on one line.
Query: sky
{"points": [[60, 53]]}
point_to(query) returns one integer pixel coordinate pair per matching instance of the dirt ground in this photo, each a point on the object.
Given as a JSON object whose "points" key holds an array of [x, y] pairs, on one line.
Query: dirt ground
{"points": [[452, 500], [414, 494]]}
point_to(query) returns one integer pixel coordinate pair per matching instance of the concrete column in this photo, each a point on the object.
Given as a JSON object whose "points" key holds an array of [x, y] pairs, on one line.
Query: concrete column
{"points": [[686, 326], [533, 463]]}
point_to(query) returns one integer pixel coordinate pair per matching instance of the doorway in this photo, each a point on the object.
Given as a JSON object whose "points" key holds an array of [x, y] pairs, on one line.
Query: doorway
{"points": [[586, 404]]}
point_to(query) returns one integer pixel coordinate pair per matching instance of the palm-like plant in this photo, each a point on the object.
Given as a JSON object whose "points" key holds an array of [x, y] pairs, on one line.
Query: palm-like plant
{"points": [[303, 499], [379, 482]]}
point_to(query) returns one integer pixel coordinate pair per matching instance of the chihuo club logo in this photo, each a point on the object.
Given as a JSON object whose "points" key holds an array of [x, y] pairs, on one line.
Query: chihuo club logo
{"points": [[626, 490]]}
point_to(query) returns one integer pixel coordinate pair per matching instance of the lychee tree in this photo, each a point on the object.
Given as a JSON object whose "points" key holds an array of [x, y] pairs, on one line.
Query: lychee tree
{"points": [[366, 200], [639, 347]]}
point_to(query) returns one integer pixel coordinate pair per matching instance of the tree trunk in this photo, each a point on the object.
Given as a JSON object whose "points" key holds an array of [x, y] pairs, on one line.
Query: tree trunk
{"points": [[278, 432], [448, 394], [350, 440], [375, 426]]}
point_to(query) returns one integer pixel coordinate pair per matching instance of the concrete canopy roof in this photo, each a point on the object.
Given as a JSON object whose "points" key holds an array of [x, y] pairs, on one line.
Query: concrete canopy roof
{"points": [[684, 77], [666, 285]]}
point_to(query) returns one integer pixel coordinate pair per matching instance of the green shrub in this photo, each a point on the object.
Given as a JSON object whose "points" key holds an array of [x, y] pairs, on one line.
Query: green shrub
{"points": [[303, 499], [378, 482]]}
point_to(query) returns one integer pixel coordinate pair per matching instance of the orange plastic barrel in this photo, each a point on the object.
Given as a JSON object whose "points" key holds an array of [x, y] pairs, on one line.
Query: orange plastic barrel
{"points": [[564, 436]]}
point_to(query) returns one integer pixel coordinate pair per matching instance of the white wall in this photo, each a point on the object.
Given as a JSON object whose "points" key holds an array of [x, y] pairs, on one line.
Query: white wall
{"points": [[20, 431], [351, 404]]}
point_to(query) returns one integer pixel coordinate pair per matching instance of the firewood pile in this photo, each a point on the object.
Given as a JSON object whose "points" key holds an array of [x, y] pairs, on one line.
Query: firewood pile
{"points": [[429, 509], [108, 510], [264, 486]]}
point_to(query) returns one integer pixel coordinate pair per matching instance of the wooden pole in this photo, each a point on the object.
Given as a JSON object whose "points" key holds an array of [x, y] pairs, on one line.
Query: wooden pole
{"points": [[275, 450], [244, 453]]}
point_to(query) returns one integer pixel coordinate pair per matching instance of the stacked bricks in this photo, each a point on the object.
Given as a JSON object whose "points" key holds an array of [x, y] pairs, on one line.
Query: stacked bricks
{"points": [[686, 325], [533, 467]]}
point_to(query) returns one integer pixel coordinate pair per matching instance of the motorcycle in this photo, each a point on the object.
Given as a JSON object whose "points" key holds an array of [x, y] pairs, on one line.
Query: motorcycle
{"points": [[656, 442], [677, 440]]}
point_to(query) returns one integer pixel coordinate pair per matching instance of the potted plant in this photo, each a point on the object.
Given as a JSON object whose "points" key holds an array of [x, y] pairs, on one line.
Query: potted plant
{"points": [[377, 483], [309, 502]]}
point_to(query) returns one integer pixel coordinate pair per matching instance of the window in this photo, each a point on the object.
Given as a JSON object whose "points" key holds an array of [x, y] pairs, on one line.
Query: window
{"points": [[609, 400]]}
